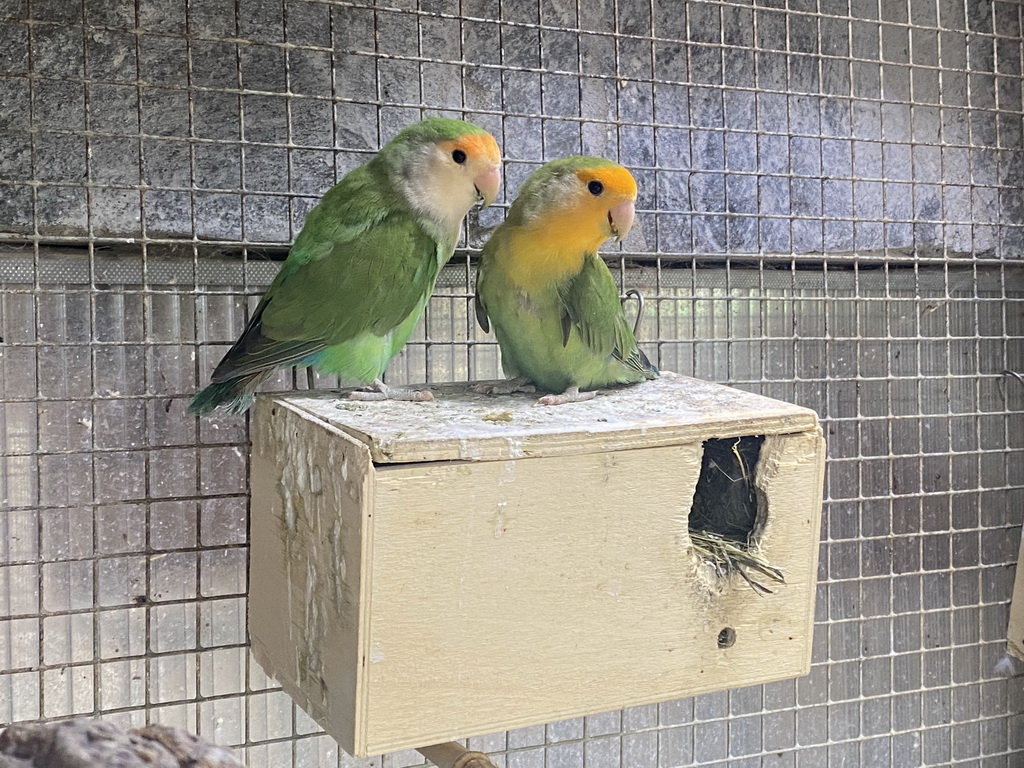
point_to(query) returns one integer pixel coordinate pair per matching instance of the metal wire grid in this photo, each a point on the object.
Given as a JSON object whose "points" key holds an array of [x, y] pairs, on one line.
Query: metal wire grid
{"points": [[125, 594], [863, 598]]}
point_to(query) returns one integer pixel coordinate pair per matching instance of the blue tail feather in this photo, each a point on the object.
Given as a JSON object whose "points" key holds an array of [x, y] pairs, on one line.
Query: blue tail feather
{"points": [[234, 396]]}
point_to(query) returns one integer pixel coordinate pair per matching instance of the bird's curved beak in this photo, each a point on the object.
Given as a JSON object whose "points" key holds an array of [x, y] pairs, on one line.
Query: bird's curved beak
{"points": [[620, 219], [487, 184]]}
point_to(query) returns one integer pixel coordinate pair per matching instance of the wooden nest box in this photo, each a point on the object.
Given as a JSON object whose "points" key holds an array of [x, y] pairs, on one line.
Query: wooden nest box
{"points": [[430, 571]]}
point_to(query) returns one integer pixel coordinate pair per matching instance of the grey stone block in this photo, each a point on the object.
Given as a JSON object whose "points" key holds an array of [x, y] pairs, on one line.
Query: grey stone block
{"points": [[57, 51], [113, 108], [261, 20], [215, 115], [15, 155], [114, 160], [164, 112], [13, 48], [262, 68], [167, 16], [57, 104]]}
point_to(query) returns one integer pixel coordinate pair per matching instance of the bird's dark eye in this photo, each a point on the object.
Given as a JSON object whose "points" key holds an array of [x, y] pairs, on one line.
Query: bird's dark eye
{"points": [[595, 187], [458, 156]]}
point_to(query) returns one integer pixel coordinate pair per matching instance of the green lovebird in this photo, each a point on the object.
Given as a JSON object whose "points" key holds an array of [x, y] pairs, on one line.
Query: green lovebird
{"points": [[552, 301], [361, 270]]}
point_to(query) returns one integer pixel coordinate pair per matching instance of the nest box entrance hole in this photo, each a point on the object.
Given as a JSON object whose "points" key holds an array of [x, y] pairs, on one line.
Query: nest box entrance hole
{"points": [[729, 512]]}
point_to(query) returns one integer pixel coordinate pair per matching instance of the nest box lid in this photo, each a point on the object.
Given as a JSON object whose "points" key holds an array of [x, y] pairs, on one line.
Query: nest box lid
{"points": [[462, 425]]}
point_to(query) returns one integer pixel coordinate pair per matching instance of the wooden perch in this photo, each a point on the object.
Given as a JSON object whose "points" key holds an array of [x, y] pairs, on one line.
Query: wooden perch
{"points": [[451, 754]]}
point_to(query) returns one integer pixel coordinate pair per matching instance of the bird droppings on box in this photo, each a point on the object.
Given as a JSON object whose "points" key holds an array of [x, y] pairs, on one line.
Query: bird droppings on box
{"points": [[461, 424], [498, 417]]}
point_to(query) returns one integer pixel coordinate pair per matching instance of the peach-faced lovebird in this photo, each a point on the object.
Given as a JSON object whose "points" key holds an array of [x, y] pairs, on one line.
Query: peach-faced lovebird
{"points": [[363, 267], [551, 299]]}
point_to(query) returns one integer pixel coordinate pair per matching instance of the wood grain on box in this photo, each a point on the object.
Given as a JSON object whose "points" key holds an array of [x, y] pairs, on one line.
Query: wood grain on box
{"points": [[424, 572]]}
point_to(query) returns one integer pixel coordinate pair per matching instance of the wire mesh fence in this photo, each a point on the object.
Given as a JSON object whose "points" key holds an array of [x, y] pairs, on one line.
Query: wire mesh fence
{"points": [[830, 213]]}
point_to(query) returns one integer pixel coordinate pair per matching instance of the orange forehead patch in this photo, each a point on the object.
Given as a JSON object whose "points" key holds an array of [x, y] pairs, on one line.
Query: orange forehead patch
{"points": [[480, 145], [615, 178]]}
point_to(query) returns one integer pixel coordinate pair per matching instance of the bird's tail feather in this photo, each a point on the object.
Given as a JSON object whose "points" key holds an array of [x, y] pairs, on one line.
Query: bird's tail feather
{"points": [[233, 395], [650, 369]]}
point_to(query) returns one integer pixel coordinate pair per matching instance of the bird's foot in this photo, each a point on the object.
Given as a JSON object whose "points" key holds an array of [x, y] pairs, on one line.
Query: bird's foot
{"points": [[507, 387], [381, 391], [571, 395]]}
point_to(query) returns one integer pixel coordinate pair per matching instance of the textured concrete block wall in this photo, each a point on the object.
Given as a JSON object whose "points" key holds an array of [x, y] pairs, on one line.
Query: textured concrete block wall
{"points": [[752, 129]]}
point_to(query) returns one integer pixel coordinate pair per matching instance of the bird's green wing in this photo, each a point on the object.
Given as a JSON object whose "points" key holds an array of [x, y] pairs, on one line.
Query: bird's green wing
{"points": [[590, 303], [367, 284], [339, 282], [482, 273]]}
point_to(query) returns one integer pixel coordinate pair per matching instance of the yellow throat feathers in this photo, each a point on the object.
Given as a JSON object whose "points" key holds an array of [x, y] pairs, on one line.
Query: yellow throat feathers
{"points": [[553, 246]]}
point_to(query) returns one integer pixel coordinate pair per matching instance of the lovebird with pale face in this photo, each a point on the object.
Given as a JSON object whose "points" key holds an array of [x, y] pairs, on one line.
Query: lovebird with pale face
{"points": [[363, 267]]}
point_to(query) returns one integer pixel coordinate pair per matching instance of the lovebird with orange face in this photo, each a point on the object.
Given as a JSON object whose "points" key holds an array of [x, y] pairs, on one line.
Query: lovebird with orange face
{"points": [[363, 267], [550, 298]]}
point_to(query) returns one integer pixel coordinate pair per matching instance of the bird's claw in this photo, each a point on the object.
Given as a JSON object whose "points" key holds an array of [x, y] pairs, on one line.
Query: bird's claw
{"points": [[381, 391], [571, 395], [366, 396]]}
